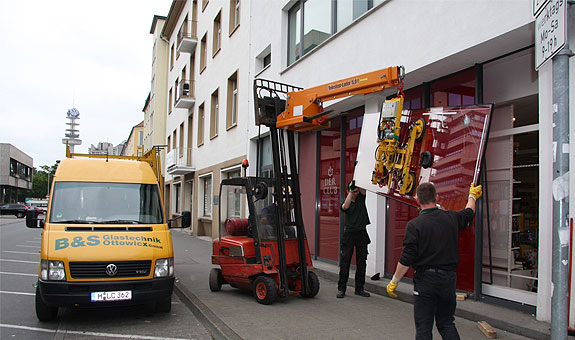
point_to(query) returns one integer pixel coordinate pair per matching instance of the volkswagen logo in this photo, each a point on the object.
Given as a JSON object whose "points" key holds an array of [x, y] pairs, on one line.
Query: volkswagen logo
{"points": [[111, 269]]}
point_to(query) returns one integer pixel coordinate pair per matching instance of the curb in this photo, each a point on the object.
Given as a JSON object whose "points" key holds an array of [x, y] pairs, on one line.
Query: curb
{"points": [[217, 328], [459, 312]]}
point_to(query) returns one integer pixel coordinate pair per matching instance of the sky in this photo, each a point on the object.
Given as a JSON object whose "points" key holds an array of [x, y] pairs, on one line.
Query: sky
{"points": [[95, 56]]}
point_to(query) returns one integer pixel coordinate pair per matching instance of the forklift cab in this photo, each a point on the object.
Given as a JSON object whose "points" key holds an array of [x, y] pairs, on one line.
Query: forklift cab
{"points": [[248, 247]]}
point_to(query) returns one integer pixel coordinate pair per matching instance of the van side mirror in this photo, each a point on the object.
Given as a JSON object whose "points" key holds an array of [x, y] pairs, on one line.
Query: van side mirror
{"points": [[186, 219], [32, 218]]}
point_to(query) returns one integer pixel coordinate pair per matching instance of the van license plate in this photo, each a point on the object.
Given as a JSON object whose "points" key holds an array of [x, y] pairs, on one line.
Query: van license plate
{"points": [[111, 296]]}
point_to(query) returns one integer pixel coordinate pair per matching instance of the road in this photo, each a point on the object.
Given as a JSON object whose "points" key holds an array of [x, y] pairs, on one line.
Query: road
{"points": [[19, 258]]}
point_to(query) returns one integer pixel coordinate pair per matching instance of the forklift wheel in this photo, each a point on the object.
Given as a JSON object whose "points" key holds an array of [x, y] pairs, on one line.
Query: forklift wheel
{"points": [[265, 290], [313, 285], [216, 279]]}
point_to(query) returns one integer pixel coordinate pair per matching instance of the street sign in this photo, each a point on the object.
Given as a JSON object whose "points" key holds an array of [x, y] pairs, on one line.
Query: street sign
{"points": [[550, 31], [537, 5]]}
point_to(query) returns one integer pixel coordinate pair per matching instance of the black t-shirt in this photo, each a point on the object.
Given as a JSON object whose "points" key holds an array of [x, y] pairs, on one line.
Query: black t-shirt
{"points": [[431, 239], [356, 217]]}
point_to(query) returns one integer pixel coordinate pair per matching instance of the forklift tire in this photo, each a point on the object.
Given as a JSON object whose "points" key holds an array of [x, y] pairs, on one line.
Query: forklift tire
{"points": [[313, 285], [265, 290], [216, 279], [43, 311]]}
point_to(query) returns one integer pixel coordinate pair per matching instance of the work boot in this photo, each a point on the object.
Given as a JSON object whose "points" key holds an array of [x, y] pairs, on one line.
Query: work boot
{"points": [[340, 294], [362, 293]]}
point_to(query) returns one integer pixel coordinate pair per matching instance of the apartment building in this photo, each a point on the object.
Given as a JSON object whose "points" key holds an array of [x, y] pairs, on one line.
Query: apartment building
{"points": [[15, 173], [135, 143], [155, 107], [105, 148], [207, 104], [454, 53]]}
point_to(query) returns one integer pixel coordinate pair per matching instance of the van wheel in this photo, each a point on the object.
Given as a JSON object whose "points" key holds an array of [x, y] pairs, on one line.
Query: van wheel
{"points": [[313, 285], [20, 214], [43, 311], [216, 279], [265, 290], [164, 305]]}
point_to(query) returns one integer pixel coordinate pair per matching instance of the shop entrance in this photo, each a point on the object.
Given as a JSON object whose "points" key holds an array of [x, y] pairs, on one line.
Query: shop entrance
{"points": [[511, 220]]}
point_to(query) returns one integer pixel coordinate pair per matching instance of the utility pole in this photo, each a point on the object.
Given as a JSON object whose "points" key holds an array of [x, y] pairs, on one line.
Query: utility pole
{"points": [[561, 230]]}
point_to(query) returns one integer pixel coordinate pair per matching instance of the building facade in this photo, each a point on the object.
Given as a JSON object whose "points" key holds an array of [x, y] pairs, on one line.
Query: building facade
{"points": [[105, 148], [207, 104], [15, 173], [488, 58], [135, 143]]}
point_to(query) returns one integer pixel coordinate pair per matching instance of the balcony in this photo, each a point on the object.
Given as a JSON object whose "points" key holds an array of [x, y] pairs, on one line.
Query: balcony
{"points": [[179, 162], [188, 37], [185, 98]]}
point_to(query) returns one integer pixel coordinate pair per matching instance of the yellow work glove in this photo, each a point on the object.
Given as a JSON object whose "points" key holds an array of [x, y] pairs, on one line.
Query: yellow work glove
{"points": [[391, 289], [475, 191]]}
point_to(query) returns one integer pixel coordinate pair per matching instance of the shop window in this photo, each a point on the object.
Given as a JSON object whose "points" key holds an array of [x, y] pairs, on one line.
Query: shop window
{"points": [[206, 196], [234, 197], [414, 99], [265, 157], [454, 90]]}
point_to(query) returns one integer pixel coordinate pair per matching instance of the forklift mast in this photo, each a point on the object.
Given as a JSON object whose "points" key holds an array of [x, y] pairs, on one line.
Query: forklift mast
{"points": [[285, 109]]}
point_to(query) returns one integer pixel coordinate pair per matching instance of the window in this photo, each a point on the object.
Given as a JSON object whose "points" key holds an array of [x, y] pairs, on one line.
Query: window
{"points": [[234, 201], [234, 15], [173, 52], [201, 125], [265, 157], [214, 115], [176, 207], [454, 90], [217, 43], [207, 196], [264, 59], [232, 107], [319, 22], [181, 140], [203, 52], [169, 143], [170, 96], [267, 59], [204, 4], [174, 140]]}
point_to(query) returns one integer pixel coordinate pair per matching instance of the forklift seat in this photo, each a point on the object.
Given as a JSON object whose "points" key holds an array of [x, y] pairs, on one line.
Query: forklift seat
{"points": [[237, 226]]}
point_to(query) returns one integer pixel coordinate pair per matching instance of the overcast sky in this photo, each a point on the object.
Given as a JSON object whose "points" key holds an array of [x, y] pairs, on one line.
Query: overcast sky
{"points": [[55, 55]]}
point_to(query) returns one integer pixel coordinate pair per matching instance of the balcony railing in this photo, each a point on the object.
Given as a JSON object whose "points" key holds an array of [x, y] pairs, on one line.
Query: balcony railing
{"points": [[188, 36], [185, 97], [179, 161]]}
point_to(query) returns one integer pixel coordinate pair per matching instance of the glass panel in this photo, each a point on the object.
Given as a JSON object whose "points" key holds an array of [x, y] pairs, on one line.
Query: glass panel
{"points": [[329, 195], [207, 211], [233, 199], [398, 214], [294, 23], [105, 203], [413, 99], [316, 24]]}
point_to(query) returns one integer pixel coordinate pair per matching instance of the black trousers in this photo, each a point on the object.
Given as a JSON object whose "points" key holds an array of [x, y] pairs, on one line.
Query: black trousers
{"points": [[358, 240], [434, 293]]}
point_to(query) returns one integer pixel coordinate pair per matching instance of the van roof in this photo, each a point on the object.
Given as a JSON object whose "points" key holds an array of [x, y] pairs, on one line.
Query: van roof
{"points": [[102, 170]]}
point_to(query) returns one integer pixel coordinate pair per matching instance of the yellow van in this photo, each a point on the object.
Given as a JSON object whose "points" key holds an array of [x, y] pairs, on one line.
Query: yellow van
{"points": [[106, 240]]}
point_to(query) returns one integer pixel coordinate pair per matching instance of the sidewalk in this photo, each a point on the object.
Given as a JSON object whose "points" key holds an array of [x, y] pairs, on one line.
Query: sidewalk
{"points": [[234, 314]]}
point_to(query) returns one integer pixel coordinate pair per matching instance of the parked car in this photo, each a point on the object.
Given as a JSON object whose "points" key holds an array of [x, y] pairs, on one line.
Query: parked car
{"points": [[16, 209], [40, 205]]}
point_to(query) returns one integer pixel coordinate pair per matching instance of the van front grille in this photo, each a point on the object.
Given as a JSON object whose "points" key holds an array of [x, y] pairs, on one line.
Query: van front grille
{"points": [[97, 270]]}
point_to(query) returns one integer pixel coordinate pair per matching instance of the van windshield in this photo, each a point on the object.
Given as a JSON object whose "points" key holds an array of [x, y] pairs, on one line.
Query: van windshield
{"points": [[105, 203]]}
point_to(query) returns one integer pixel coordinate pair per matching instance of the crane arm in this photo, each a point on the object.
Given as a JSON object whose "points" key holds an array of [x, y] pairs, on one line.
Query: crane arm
{"points": [[304, 107]]}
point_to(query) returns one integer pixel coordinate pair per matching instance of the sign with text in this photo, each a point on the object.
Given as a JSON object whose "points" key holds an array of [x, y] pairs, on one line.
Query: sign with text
{"points": [[550, 31], [537, 5]]}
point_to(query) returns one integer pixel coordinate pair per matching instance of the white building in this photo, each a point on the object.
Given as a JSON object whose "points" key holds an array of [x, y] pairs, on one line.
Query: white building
{"points": [[207, 104], [454, 53]]}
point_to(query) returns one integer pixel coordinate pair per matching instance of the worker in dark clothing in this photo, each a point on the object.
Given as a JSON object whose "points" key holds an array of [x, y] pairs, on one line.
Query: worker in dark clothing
{"points": [[354, 236], [430, 246]]}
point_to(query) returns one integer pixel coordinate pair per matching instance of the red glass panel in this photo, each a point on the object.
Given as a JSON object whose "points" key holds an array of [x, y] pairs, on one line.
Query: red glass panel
{"points": [[455, 90], [329, 174], [413, 99]]}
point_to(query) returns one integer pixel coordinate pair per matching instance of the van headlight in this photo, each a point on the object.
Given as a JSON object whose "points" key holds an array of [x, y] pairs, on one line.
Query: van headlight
{"points": [[164, 267], [52, 270]]}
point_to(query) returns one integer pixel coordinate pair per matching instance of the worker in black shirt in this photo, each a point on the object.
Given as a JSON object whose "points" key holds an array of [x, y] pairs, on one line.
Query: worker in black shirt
{"points": [[430, 246], [354, 235]]}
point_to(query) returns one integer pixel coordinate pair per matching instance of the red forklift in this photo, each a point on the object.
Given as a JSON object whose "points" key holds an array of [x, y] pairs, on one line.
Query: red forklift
{"points": [[267, 250]]}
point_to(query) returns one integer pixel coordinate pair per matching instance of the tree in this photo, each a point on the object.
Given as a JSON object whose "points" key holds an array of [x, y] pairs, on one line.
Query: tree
{"points": [[42, 180]]}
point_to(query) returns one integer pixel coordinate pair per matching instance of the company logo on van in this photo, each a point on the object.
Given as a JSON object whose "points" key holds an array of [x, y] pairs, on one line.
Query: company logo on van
{"points": [[109, 241]]}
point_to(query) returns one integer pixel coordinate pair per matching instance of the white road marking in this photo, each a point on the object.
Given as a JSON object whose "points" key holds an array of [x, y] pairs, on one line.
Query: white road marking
{"points": [[15, 293], [23, 274], [19, 252], [19, 245], [104, 335], [7, 260]]}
